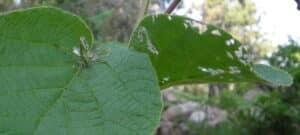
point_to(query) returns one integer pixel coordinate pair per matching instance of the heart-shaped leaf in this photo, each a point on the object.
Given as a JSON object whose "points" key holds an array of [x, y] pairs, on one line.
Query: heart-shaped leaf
{"points": [[182, 53], [45, 90]]}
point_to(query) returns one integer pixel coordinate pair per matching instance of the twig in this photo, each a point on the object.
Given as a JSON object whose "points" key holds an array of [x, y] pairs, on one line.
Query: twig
{"points": [[146, 7], [143, 12], [298, 4], [172, 6]]}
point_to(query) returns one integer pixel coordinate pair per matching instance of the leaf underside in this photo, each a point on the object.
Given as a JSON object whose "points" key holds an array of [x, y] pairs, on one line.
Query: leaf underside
{"points": [[182, 52], [45, 91]]}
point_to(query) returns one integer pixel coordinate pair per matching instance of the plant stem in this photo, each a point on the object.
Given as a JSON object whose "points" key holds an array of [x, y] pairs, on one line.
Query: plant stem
{"points": [[82, 51], [84, 60], [143, 11], [172, 6], [146, 7]]}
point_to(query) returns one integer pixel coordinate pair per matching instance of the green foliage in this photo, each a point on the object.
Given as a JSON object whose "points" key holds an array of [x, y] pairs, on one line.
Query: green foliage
{"points": [[275, 112], [287, 56], [45, 90], [278, 111], [226, 128], [182, 54], [50, 88], [270, 113], [229, 100]]}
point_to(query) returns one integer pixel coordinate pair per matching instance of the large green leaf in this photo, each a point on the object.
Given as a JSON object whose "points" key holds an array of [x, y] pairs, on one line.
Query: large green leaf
{"points": [[45, 90], [182, 53]]}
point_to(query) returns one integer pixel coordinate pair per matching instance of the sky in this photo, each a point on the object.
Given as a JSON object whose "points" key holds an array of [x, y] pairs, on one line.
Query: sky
{"points": [[278, 18]]}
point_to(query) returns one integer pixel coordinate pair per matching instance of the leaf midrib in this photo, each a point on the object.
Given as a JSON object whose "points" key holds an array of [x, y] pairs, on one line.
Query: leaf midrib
{"points": [[44, 114]]}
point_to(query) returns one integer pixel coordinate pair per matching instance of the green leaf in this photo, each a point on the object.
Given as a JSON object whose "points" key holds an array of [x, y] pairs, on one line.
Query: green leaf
{"points": [[276, 76], [45, 90], [183, 53]]}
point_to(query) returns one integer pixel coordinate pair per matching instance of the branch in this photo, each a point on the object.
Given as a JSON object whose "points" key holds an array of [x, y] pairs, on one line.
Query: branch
{"points": [[298, 4], [172, 6]]}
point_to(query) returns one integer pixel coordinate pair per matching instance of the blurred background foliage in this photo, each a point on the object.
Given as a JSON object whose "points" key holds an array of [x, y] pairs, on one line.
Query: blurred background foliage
{"points": [[208, 109], [109, 19]]}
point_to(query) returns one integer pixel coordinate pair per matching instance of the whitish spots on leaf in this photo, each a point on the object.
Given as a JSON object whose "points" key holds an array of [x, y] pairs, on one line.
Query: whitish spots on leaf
{"points": [[239, 52], [216, 33], [234, 70], [211, 71], [243, 61], [165, 79], [202, 29], [230, 42], [202, 69], [229, 55], [152, 49], [154, 18], [170, 18], [186, 25], [76, 51], [216, 71]]}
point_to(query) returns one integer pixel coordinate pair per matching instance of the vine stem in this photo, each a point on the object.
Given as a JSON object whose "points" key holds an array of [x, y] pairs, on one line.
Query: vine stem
{"points": [[146, 7], [143, 11], [172, 6]]}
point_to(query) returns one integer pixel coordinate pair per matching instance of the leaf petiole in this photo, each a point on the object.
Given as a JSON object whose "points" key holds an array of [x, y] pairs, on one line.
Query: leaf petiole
{"points": [[83, 48]]}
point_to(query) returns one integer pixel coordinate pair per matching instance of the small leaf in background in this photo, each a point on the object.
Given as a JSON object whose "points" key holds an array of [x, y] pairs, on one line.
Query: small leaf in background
{"points": [[182, 53], [276, 76]]}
